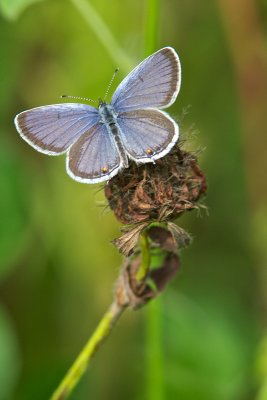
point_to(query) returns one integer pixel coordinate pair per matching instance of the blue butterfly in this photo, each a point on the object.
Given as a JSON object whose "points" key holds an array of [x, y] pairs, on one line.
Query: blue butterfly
{"points": [[100, 141]]}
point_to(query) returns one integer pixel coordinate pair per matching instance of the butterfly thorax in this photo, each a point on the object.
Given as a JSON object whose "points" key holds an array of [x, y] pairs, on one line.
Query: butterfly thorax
{"points": [[107, 113]]}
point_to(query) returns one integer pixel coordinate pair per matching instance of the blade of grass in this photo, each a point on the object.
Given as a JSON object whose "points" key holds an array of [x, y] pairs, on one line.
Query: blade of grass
{"points": [[155, 375], [104, 34], [151, 29]]}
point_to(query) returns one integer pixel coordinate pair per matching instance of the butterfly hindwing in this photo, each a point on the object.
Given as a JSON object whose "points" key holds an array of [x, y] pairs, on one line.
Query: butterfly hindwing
{"points": [[94, 157], [147, 134]]}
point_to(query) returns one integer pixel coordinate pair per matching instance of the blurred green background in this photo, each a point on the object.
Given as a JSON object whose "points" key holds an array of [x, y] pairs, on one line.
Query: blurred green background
{"points": [[203, 339]]}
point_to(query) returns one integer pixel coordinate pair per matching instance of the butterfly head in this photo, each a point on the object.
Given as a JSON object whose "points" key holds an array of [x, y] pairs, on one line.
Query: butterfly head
{"points": [[101, 103]]}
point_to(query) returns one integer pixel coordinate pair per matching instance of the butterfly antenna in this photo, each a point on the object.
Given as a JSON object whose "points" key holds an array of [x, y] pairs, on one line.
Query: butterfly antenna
{"points": [[65, 96], [110, 83]]}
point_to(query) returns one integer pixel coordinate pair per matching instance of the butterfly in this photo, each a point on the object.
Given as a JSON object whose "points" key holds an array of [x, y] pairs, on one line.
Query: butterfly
{"points": [[99, 142]]}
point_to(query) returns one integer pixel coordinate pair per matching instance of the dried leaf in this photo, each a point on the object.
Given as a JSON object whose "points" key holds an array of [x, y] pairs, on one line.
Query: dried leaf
{"points": [[181, 237], [126, 243], [132, 293]]}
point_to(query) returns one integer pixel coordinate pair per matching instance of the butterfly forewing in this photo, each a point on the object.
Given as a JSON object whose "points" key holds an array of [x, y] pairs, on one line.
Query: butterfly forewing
{"points": [[54, 128], [147, 134], [154, 83], [94, 157]]}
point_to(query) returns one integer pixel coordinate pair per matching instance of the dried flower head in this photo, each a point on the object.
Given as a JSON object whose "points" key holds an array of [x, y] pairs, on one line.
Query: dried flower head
{"points": [[146, 198], [160, 191]]}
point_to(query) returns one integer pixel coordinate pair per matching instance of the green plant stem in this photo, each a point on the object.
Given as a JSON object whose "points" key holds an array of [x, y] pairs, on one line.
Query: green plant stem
{"points": [[151, 27], [155, 384], [153, 325], [145, 258], [155, 387], [80, 365], [103, 33]]}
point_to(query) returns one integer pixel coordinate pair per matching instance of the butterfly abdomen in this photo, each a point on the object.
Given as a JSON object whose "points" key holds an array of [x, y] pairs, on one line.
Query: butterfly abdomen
{"points": [[117, 138], [109, 118]]}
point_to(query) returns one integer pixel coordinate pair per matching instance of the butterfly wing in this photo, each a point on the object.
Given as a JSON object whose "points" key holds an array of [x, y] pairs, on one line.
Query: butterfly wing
{"points": [[153, 83], [94, 157], [147, 134], [53, 129]]}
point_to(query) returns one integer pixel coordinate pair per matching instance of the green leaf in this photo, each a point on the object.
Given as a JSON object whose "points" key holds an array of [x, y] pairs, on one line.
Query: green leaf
{"points": [[11, 9], [9, 357]]}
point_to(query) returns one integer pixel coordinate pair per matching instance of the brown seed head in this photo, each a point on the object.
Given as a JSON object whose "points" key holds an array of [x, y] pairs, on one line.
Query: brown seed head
{"points": [[160, 191]]}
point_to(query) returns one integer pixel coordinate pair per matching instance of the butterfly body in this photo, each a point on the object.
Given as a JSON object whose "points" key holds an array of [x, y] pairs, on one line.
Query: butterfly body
{"points": [[108, 117], [100, 141]]}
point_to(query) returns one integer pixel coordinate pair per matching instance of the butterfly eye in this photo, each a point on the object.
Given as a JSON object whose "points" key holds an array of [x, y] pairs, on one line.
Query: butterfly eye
{"points": [[149, 152]]}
